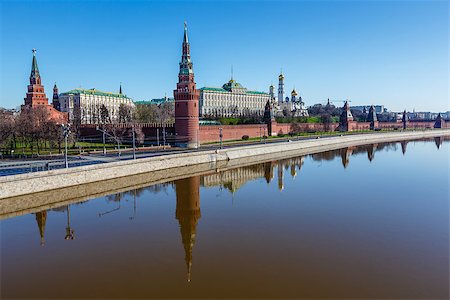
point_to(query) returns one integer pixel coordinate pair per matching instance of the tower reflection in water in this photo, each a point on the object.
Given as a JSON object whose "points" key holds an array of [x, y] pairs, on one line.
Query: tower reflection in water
{"points": [[188, 213]]}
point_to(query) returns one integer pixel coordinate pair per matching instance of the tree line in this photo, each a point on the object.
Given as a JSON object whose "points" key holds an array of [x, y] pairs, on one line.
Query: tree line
{"points": [[33, 130]]}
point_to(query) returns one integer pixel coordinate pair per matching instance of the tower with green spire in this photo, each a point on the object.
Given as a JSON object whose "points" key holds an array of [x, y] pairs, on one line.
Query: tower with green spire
{"points": [[186, 99], [35, 94]]}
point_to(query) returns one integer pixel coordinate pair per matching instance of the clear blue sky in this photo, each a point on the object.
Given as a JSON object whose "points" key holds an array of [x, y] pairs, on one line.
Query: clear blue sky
{"points": [[371, 52]]}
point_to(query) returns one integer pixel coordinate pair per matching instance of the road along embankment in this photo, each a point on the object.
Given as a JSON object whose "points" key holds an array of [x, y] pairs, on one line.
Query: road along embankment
{"points": [[24, 191]]}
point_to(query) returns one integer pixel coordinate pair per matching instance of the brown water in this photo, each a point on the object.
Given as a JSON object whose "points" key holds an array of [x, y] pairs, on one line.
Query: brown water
{"points": [[356, 223]]}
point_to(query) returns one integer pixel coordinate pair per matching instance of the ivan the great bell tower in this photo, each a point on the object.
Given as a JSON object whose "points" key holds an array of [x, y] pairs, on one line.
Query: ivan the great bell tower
{"points": [[186, 100]]}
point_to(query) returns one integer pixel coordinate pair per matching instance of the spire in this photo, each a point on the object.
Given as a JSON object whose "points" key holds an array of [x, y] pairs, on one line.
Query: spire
{"points": [[186, 64], [120, 89], [185, 39], [372, 116], [281, 77], [34, 67]]}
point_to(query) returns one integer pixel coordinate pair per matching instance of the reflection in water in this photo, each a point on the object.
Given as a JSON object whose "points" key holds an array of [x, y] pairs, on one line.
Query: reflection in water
{"points": [[268, 171], [188, 213], [438, 141], [280, 176], [371, 151], [345, 155], [188, 196], [404, 144], [69, 230], [41, 219]]}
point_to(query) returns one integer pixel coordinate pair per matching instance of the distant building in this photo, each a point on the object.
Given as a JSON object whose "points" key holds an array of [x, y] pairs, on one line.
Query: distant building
{"points": [[94, 106], [379, 109], [156, 101], [231, 100], [425, 115]]}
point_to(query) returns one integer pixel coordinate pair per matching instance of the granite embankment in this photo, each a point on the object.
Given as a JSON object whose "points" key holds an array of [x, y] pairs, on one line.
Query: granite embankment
{"points": [[97, 179]]}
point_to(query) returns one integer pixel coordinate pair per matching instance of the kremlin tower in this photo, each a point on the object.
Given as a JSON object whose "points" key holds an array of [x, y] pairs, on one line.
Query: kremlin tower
{"points": [[36, 97], [55, 100], [186, 100]]}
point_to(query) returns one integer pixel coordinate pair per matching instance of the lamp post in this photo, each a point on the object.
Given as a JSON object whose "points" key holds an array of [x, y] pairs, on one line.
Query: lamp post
{"points": [[220, 136], [198, 141], [260, 137], [134, 145], [164, 136], [157, 136], [104, 139], [66, 132], [265, 135]]}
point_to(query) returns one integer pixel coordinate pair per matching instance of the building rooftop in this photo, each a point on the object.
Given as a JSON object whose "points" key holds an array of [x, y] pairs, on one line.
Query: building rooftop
{"points": [[222, 90], [155, 101], [94, 92]]}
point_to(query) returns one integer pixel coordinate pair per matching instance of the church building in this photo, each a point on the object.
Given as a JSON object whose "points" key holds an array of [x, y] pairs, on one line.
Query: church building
{"points": [[285, 106]]}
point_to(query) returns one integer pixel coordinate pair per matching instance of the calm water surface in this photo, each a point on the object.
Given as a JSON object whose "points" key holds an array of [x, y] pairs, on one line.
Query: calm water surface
{"points": [[367, 222]]}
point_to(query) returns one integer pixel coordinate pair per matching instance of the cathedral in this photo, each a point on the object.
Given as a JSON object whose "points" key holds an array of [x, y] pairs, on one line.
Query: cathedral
{"points": [[285, 106]]}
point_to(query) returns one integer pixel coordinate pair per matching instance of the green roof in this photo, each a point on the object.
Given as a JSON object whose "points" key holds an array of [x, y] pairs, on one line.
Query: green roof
{"points": [[214, 89], [155, 101], [94, 92]]}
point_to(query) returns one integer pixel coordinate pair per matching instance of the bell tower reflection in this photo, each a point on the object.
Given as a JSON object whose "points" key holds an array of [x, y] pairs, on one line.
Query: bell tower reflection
{"points": [[188, 213], [41, 219], [280, 176], [268, 171]]}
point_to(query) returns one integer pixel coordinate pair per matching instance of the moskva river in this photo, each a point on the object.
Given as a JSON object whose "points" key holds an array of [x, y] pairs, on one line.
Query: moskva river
{"points": [[355, 223]]}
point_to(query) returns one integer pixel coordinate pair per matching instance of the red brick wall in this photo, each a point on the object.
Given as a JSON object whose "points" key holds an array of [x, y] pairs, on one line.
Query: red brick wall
{"points": [[285, 128], [235, 132], [230, 132]]}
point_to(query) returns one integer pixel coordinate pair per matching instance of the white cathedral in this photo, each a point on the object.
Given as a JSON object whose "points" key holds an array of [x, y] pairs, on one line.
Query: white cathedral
{"points": [[284, 106]]}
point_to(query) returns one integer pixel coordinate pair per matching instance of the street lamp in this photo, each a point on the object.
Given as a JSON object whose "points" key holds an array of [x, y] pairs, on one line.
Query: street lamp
{"points": [[220, 136], [260, 137], [104, 139], [66, 132], [164, 136], [134, 144]]}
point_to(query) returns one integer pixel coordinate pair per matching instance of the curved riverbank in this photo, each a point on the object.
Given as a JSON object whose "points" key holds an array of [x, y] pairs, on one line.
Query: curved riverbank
{"points": [[43, 188]]}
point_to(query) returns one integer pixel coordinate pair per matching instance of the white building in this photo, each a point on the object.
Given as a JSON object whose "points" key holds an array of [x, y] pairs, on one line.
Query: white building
{"points": [[232, 100], [282, 106], [94, 106]]}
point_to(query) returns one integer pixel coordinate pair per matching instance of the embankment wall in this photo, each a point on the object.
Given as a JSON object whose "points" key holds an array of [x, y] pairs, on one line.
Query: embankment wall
{"points": [[30, 183]]}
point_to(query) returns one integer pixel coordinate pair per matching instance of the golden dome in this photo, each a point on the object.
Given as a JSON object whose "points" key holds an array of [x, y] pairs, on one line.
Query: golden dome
{"points": [[281, 77], [294, 93]]}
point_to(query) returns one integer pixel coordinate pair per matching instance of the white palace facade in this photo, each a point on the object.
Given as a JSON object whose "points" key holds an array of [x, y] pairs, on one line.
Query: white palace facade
{"points": [[89, 104], [232, 100]]}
